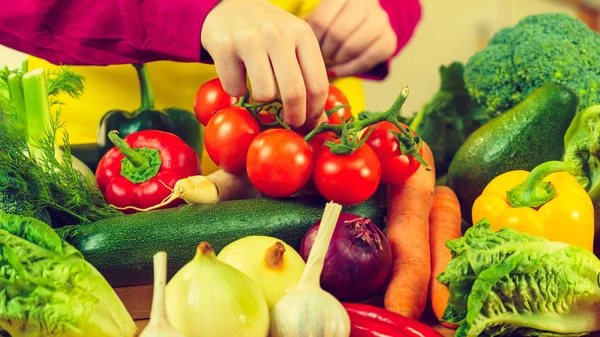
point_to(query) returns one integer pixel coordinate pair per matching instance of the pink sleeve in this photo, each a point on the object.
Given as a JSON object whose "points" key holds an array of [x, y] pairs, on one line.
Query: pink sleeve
{"points": [[103, 32], [404, 16]]}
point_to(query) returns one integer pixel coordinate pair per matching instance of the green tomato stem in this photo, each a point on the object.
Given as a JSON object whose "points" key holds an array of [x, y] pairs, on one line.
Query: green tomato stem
{"points": [[356, 126], [534, 192], [260, 105]]}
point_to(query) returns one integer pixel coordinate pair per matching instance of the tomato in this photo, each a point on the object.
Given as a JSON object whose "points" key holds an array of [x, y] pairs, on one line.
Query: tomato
{"points": [[317, 142], [337, 97], [279, 163], [211, 98], [396, 166], [267, 118], [347, 179], [228, 136]]}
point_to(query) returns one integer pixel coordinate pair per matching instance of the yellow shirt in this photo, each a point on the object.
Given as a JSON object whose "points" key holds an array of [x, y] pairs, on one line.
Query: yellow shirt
{"points": [[174, 84]]}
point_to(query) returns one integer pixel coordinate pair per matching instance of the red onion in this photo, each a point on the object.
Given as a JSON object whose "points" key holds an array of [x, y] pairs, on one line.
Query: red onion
{"points": [[358, 263]]}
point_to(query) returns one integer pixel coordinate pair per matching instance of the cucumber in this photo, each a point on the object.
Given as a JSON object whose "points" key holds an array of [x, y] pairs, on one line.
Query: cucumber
{"points": [[121, 248], [523, 137]]}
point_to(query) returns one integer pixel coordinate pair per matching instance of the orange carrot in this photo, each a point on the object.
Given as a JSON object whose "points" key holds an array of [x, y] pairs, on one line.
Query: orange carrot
{"points": [[408, 207], [444, 224]]}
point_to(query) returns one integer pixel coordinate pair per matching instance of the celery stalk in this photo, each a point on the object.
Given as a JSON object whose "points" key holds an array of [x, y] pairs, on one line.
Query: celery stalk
{"points": [[15, 91], [37, 108]]}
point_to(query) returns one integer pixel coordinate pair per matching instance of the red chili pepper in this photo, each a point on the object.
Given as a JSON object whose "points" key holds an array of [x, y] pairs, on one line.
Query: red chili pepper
{"points": [[367, 327], [142, 168], [379, 318]]}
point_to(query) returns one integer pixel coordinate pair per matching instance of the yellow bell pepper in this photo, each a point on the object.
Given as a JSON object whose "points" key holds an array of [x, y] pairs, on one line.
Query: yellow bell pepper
{"points": [[546, 202]]}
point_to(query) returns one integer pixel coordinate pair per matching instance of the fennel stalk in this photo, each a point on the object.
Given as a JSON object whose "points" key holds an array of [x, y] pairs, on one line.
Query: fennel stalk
{"points": [[37, 178]]}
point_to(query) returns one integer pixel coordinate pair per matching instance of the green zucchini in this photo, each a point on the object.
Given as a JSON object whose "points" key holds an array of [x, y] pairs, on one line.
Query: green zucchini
{"points": [[121, 248]]}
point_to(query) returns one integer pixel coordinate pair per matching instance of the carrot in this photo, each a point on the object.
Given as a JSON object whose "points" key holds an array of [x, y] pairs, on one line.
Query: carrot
{"points": [[409, 205], [444, 224]]}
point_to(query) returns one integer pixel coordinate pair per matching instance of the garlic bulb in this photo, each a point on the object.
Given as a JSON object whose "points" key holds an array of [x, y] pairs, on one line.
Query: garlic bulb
{"points": [[308, 310], [272, 264], [159, 325], [209, 298]]}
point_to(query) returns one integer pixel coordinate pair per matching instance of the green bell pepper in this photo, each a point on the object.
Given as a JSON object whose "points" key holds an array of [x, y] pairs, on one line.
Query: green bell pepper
{"points": [[178, 121]]}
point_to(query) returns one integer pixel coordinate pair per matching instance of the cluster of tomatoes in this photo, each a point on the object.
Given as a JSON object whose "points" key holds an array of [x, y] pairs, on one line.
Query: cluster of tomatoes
{"points": [[280, 161]]}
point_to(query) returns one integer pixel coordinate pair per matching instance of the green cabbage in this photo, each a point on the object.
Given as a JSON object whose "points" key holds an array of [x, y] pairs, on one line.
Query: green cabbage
{"points": [[48, 289], [509, 283]]}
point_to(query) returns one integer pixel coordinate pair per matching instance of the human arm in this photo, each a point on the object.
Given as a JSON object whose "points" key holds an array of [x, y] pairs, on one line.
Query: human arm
{"points": [[104, 32], [277, 50]]}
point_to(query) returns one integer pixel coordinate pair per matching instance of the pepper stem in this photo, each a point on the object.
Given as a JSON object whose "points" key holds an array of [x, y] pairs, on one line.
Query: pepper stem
{"points": [[274, 256], [139, 164], [534, 192], [135, 158], [146, 92]]}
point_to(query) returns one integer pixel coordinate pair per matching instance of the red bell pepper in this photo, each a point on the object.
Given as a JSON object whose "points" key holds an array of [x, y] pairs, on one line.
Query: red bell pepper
{"points": [[141, 170], [370, 321]]}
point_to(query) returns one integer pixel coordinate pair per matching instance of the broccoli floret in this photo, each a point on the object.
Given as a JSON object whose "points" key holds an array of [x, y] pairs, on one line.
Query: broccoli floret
{"points": [[539, 49]]}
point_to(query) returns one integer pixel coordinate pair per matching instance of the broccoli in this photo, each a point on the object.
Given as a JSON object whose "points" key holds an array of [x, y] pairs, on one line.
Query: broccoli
{"points": [[538, 49]]}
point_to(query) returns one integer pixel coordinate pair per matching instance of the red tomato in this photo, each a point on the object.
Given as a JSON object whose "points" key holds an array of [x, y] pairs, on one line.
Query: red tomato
{"points": [[267, 118], [211, 98], [347, 179], [228, 136], [396, 166], [317, 142], [337, 97], [279, 163]]}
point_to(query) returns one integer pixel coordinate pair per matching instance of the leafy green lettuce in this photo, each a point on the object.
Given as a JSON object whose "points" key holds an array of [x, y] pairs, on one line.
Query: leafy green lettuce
{"points": [[48, 289], [509, 283]]}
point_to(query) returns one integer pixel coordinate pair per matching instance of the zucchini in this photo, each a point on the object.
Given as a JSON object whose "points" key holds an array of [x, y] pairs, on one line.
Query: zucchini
{"points": [[121, 248]]}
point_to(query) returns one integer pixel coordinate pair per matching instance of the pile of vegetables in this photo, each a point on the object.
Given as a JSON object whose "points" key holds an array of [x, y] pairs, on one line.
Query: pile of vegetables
{"points": [[345, 159], [269, 261], [260, 286]]}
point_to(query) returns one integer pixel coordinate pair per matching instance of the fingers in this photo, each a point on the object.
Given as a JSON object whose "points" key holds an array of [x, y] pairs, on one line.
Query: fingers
{"points": [[346, 23], [359, 41], [260, 74], [231, 70], [314, 76], [290, 81], [323, 16], [368, 59]]}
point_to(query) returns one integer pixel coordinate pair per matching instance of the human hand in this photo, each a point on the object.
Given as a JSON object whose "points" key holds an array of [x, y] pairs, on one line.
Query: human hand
{"points": [[279, 52], [355, 35]]}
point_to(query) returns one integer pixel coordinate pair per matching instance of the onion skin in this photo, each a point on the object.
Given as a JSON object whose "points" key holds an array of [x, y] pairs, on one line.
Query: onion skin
{"points": [[358, 263]]}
